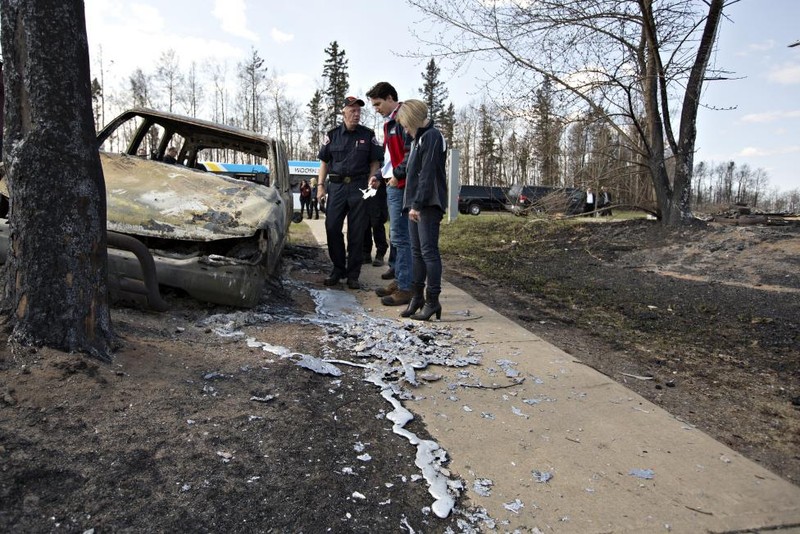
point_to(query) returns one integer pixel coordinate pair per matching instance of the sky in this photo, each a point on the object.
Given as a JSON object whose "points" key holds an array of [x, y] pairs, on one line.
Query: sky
{"points": [[753, 118]]}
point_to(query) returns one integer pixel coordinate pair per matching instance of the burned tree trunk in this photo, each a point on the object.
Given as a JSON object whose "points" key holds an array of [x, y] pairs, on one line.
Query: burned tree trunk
{"points": [[55, 290]]}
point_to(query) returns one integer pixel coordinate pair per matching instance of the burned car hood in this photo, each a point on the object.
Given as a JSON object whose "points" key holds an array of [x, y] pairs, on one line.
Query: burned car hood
{"points": [[154, 199]]}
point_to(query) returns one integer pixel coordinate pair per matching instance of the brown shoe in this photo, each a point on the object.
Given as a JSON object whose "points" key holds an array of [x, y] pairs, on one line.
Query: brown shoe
{"points": [[398, 298], [386, 291]]}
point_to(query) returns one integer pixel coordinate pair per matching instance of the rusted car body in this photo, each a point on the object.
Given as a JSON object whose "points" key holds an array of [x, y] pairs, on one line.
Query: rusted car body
{"points": [[214, 236]]}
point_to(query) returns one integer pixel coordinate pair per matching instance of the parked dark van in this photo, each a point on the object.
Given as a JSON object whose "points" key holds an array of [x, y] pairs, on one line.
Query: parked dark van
{"points": [[474, 199]]}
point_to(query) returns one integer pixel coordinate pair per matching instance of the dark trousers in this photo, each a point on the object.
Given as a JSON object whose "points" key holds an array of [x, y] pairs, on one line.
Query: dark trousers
{"points": [[377, 215], [304, 206], [313, 207], [588, 208], [427, 262], [346, 201]]}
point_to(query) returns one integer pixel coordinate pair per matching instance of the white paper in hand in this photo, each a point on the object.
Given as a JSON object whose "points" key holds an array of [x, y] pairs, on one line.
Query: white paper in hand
{"points": [[369, 192]]}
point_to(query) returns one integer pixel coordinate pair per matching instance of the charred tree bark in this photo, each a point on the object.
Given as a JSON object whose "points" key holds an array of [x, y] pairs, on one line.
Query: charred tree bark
{"points": [[55, 291]]}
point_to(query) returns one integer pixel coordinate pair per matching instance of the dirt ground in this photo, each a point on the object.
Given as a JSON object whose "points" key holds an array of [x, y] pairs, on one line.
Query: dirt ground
{"points": [[193, 429], [704, 321]]}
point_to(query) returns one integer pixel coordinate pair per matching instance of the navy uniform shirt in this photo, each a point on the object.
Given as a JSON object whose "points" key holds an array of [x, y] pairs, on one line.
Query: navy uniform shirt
{"points": [[350, 153]]}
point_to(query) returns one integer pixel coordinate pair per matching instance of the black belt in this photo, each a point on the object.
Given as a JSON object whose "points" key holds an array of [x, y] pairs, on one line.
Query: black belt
{"points": [[339, 179]]}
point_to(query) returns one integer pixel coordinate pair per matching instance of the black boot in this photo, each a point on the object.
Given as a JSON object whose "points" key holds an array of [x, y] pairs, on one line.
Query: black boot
{"points": [[431, 306], [416, 303]]}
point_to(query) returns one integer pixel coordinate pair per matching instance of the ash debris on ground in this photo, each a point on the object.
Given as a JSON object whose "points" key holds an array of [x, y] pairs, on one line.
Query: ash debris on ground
{"points": [[393, 355]]}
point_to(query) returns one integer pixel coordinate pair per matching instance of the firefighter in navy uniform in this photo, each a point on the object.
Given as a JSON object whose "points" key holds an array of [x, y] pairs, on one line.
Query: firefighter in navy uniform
{"points": [[349, 155]]}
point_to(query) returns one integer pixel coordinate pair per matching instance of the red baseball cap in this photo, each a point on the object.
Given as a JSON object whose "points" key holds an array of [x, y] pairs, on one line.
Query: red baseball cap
{"points": [[351, 100]]}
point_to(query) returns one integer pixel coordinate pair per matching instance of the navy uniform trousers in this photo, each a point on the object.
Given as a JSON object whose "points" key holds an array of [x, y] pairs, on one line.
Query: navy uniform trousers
{"points": [[346, 201]]}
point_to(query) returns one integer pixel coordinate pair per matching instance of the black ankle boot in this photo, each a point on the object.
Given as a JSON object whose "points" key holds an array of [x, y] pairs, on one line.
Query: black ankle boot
{"points": [[431, 306], [416, 303]]}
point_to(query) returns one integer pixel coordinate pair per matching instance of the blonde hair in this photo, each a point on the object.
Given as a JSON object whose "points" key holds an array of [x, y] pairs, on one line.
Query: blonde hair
{"points": [[412, 114]]}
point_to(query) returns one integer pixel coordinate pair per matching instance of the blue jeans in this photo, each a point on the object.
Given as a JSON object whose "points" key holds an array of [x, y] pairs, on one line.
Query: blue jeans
{"points": [[427, 267], [398, 235]]}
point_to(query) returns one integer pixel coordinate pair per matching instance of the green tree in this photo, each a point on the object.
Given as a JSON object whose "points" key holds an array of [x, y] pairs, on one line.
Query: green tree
{"points": [[337, 83], [316, 117], [488, 167], [97, 103], [56, 292], [253, 79], [447, 125], [547, 131], [140, 89], [433, 91]]}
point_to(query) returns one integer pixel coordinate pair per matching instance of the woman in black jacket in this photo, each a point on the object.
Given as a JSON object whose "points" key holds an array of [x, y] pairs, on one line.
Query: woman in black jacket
{"points": [[425, 200]]}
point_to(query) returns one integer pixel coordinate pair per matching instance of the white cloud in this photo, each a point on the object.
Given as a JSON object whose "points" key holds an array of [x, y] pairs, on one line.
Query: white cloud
{"points": [[762, 47], [757, 152], [135, 35], [299, 85], [770, 116], [281, 37], [233, 18], [788, 74]]}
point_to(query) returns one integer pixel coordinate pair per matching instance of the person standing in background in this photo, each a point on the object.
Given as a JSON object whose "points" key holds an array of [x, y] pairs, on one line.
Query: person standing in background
{"points": [[588, 202], [425, 200], [305, 199], [314, 208], [349, 156], [171, 156], [604, 201]]}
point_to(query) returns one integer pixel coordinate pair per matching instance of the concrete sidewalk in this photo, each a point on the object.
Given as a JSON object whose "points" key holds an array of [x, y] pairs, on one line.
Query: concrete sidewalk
{"points": [[598, 440]]}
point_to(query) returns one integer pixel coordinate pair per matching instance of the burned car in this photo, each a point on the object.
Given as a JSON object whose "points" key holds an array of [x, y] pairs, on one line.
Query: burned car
{"points": [[172, 222]]}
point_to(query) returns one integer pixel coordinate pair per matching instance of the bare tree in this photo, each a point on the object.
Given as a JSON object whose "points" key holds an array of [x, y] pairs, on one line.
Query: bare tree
{"points": [[218, 74], [192, 95], [467, 127], [640, 63], [56, 278], [284, 114], [168, 75]]}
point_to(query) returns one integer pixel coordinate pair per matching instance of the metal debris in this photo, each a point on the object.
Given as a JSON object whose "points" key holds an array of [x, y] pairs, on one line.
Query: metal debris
{"points": [[514, 506], [315, 364], [265, 398], [542, 476], [482, 486], [508, 367], [517, 411], [390, 352], [642, 473], [637, 377], [214, 376]]}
